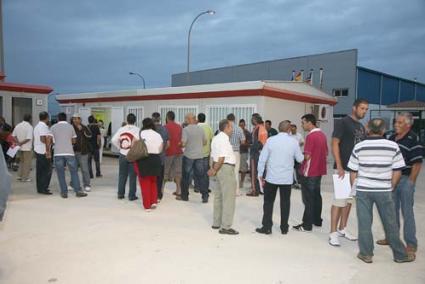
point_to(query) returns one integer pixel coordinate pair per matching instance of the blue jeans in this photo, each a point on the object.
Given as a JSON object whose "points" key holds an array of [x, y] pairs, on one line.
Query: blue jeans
{"points": [[403, 196], [385, 204], [197, 166], [125, 170], [71, 162]]}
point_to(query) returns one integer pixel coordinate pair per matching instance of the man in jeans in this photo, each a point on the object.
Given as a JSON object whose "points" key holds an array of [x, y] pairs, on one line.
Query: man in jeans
{"points": [[279, 162], [206, 149], [156, 117], [123, 140], [403, 194], [193, 140], [312, 168], [376, 163], [64, 136], [81, 149], [43, 154], [94, 146]]}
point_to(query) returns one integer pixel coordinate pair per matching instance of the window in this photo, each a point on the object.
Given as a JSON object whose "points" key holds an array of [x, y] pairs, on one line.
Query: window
{"points": [[138, 112], [340, 92], [215, 113], [179, 111]]}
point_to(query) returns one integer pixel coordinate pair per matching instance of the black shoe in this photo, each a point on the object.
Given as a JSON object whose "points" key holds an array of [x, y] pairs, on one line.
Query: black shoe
{"points": [[284, 231], [209, 190], [120, 196], [132, 198], [46, 192], [263, 230], [99, 175], [196, 190], [64, 195], [80, 194], [300, 228], [178, 197], [204, 200], [215, 227], [228, 232]]}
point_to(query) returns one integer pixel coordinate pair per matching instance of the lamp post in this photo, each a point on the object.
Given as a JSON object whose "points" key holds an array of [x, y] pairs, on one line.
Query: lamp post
{"points": [[141, 77], [209, 12]]}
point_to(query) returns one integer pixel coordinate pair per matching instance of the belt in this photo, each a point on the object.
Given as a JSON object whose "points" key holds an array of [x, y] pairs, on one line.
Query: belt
{"points": [[232, 165]]}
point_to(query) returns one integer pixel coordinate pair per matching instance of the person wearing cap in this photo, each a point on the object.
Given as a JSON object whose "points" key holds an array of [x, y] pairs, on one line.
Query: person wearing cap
{"points": [[81, 149]]}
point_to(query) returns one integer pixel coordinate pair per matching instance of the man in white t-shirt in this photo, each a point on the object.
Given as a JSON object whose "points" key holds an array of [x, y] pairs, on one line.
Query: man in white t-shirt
{"points": [[224, 169], [297, 136], [43, 154], [123, 139], [23, 136]]}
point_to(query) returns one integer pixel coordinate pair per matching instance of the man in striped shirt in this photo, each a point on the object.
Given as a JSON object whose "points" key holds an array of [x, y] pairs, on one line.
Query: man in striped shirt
{"points": [[376, 163], [403, 194]]}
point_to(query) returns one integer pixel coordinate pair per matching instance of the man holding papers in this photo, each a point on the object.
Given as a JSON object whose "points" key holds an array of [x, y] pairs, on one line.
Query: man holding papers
{"points": [[347, 133], [376, 163]]}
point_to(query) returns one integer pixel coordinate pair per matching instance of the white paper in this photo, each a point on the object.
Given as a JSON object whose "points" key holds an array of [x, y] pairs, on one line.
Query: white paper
{"points": [[12, 151], [342, 187]]}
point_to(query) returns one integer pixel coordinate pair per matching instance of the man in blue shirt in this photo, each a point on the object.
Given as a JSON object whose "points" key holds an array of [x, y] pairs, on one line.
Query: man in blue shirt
{"points": [[279, 174]]}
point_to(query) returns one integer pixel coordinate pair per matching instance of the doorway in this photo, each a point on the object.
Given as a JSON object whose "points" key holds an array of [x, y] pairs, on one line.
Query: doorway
{"points": [[20, 107]]}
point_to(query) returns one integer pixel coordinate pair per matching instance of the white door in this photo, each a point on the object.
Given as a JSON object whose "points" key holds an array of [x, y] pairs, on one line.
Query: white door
{"points": [[85, 112], [117, 118]]}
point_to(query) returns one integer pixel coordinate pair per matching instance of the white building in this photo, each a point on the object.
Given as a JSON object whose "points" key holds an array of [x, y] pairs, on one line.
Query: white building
{"points": [[19, 99], [274, 100]]}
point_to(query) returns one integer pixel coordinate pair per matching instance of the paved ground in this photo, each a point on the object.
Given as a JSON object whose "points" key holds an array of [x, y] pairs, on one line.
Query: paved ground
{"points": [[99, 239]]}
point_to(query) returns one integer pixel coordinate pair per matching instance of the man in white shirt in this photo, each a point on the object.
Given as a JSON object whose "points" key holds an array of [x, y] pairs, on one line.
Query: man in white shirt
{"points": [[23, 136], [123, 139], [42, 149], [224, 169]]}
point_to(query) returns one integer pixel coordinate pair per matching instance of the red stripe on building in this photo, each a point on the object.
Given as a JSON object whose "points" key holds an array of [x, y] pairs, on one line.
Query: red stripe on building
{"points": [[267, 92], [25, 88]]}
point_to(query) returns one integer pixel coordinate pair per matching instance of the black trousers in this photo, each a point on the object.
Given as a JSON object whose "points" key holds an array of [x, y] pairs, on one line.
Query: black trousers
{"points": [[159, 182], [43, 169], [312, 199], [270, 191], [94, 155]]}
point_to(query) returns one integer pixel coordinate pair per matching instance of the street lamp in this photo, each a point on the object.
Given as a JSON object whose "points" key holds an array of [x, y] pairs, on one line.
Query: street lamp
{"points": [[209, 12], [141, 77]]}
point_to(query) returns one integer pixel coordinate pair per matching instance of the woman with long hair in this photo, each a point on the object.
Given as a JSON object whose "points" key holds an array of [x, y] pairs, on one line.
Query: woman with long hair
{"points": [[149, 168]]}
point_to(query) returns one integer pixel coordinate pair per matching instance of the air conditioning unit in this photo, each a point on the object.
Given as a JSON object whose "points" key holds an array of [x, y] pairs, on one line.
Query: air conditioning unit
{"points": [[321, 112]]}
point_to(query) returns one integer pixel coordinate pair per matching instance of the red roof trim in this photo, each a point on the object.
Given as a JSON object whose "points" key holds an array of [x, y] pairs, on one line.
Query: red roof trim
{"points": [[14, 87], [267, 92]]}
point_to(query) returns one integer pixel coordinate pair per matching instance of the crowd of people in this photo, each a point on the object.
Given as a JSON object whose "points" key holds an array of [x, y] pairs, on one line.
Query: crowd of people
{"points": [[381, 171]]}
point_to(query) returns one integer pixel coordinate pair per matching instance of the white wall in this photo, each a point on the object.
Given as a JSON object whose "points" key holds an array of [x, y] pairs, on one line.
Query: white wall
{"points": [[36, 109]]}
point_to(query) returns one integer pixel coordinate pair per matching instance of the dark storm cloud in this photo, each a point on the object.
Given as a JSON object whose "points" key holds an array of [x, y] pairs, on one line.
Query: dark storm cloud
{"points": [[92, 45]]}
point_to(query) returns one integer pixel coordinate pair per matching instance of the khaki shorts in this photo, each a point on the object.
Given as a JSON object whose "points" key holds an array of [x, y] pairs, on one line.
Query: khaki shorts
{"points": [[244, 163], [342, 202], [173, 167]]}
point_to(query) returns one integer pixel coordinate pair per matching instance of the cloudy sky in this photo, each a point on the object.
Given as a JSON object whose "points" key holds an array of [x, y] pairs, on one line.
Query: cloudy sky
{"points": [[81, 46]]}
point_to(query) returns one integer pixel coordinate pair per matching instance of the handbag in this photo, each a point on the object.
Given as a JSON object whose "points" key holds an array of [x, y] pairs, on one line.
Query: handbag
{"points": [[138, 151]]}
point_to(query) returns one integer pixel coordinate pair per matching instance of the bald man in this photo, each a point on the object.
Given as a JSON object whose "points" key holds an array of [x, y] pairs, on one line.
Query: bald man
{"points": [[193, 140]]}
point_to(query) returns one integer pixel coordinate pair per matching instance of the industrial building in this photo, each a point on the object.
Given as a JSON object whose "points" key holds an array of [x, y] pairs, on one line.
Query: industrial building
{"points": [[342, 77]]}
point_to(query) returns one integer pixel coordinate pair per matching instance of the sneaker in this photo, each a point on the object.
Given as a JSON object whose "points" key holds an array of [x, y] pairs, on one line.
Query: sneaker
{"points": [[87, 188], [153, 206], [365, 258], [383, 242], [70, 188], [333, 239], [411, 249], [346, 234], [300, 228], [409, 258], [27, 180], [64, 195]]}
